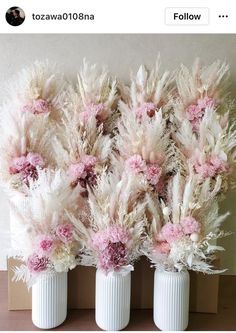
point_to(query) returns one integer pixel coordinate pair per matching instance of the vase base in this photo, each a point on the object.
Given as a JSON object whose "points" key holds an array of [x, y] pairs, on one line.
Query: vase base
{"points": [[47, 326]]}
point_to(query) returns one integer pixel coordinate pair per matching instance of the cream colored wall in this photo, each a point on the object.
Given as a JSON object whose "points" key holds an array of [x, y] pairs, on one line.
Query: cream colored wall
{"points": [[121, 53]]}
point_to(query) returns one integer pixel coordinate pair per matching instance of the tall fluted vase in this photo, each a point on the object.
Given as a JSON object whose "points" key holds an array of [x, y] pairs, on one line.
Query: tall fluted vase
{"points": [[49, 300], [171, 300], [113, 293]]}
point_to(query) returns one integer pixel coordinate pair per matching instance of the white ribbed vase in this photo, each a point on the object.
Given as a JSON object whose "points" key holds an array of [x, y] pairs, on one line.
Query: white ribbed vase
{"points": [[113, 291], [49, 300], [171, 300]]}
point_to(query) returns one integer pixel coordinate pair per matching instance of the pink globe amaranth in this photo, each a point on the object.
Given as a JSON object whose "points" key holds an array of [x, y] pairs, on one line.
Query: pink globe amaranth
{"points": [[153, 173], [65, 232], [41, 106], [36, 263], [190, 225], [135, 163], [172, 232]]}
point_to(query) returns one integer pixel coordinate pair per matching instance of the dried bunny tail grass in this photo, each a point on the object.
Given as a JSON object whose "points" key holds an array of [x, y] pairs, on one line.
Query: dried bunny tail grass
{"points": [[113, 199], [49, 196], [148, 87], [22, 137], [73, 142], [211, 80], [96, 85], [149, 139], [41, 80]]}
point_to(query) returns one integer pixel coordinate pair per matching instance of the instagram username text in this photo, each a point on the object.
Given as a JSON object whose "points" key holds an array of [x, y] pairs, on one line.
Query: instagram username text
{"points": [[63, 17]]}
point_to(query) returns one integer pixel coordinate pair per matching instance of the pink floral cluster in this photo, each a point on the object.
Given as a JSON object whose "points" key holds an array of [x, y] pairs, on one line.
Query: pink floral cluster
{"points": [[37, 263], [195, 112], [38, 106], [83, 172], [151, 171], [45, 244], [26, 166], [112, 246], [171, 232], [145, 108], [211, 168], [99, 111]]}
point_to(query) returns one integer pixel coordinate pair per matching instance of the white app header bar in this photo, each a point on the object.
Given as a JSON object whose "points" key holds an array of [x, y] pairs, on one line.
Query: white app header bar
{"points": [[123, 16]]}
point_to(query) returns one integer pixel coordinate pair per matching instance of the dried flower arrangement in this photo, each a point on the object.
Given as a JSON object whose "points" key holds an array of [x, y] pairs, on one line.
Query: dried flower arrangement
{"points": [[203, 131], [33, 104], [112, 238], [143, 139], [183, 226], [50, 243], [84, 143], [186, 224]]}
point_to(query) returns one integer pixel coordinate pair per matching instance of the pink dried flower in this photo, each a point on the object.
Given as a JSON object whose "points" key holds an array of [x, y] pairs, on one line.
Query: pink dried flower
{"points": [[210, 168], [163, 248], [18, 164], [114, 256], [135, 163], [219, 164], [112, 234], [89, 161], [145, 108], [45, 244], [35, 159], [153, 173], [76, 171], [205, 170], [195, 112], [206, 102], [190, 225], [65, 232], [26, 166], [36, 263], [172, 232], [95, 109], [41, 106]]}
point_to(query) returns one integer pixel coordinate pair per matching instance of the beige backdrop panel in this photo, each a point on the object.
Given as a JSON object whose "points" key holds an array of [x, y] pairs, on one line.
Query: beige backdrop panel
{"points": [[121, 53]]}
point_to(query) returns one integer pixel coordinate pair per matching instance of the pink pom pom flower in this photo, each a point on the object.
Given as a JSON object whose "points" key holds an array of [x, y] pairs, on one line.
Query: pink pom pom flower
{"points": [[153, 173], [135, 163], [37, 264], [112, 245], [172, 232], [195, 112], [65, 233], [26, 166], [45, 244]]}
